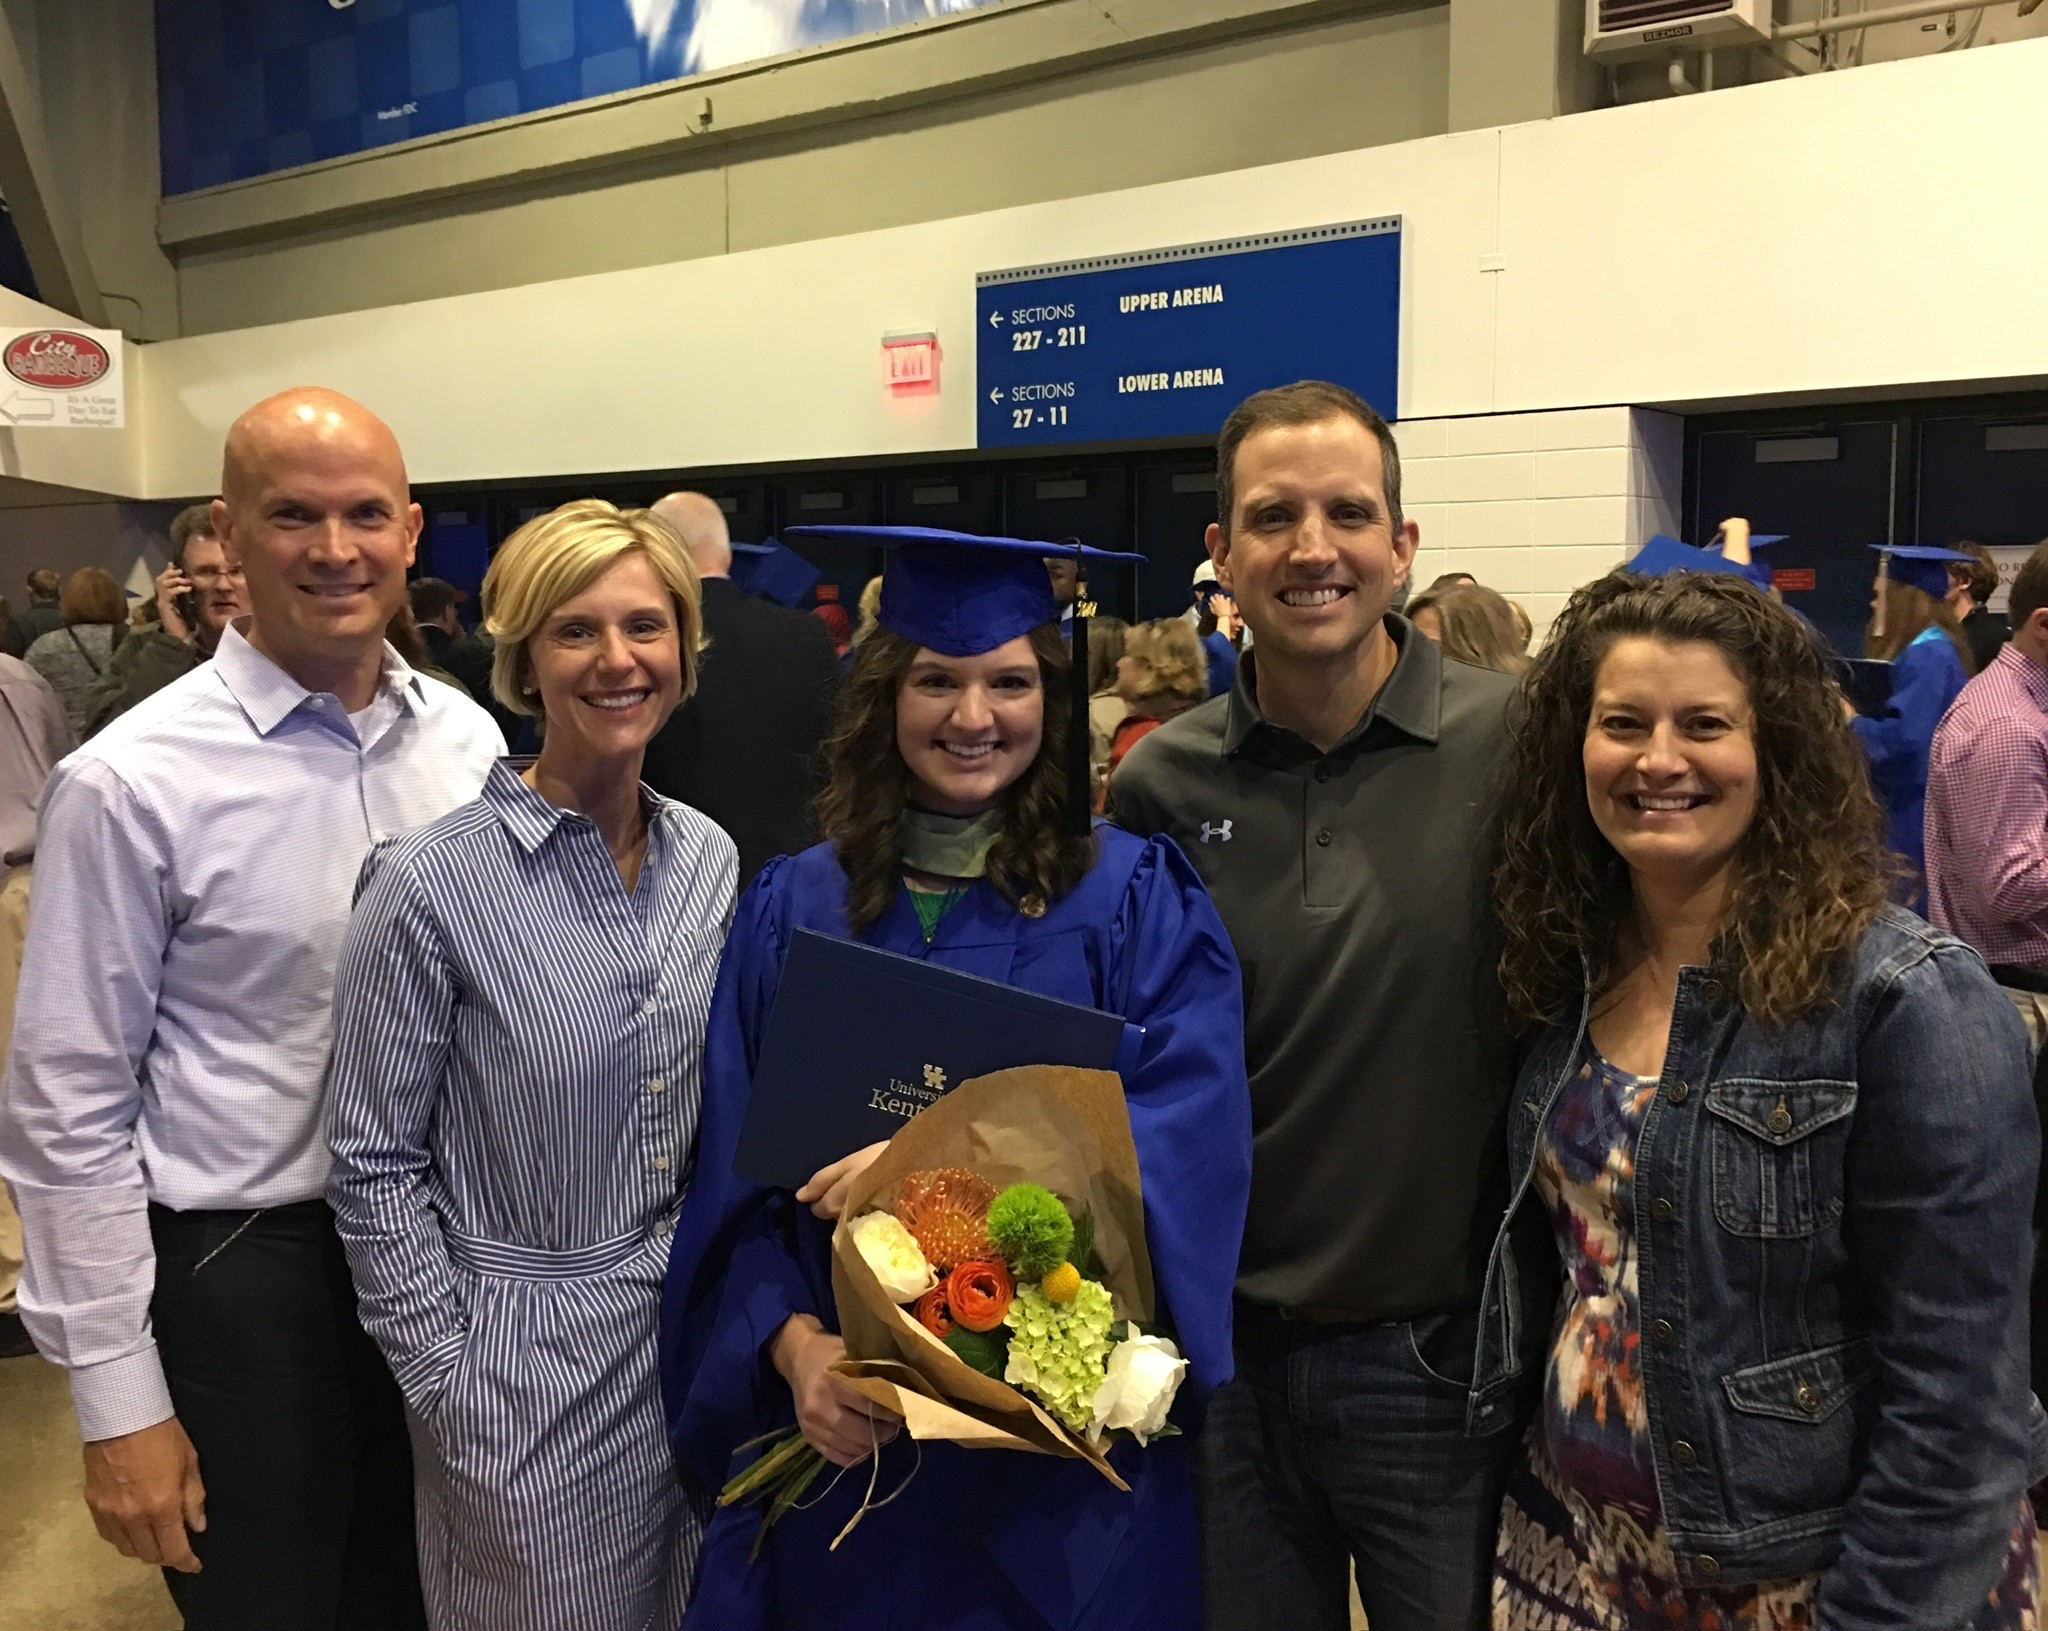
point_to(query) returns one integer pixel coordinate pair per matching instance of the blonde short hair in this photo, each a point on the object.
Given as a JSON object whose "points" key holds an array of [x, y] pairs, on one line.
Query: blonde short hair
{"points": [[1172, 657], [554, 558]]}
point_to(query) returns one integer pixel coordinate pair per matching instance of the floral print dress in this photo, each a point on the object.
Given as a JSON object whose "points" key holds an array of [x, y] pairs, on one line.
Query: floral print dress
{"points": [[1582, 1542]]}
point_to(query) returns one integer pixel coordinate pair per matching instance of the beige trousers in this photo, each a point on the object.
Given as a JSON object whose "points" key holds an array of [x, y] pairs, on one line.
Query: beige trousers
{"points": [[14, 888], [2033, 1007]]}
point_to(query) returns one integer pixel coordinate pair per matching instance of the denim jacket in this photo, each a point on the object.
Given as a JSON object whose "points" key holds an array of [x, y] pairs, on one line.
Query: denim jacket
{"points": [[1833, 1234]]}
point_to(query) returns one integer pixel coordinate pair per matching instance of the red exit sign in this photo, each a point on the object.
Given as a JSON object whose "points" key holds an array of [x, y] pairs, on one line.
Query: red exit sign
{"points": [[1792, 578]]}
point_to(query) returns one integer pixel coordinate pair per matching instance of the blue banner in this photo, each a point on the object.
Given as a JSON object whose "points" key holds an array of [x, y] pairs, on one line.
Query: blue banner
{"points": [[245, 87], [1165, 342]]}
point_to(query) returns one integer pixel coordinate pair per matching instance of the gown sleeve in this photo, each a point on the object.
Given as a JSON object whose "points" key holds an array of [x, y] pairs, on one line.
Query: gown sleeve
{"points": [[1173, 972], [745, 1258], [1925, 679]]}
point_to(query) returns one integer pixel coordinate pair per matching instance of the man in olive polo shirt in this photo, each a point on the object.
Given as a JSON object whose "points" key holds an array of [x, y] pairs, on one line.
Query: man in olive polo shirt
{"points": [[1337, 802]]}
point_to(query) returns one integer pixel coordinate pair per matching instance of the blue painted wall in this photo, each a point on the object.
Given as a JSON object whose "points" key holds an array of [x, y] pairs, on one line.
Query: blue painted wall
{"points": [[246, 87]]}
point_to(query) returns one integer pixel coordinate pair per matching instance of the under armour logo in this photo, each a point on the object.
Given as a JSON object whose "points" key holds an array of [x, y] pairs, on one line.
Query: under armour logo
{"points": [[935, 1078], [1219, 829]]}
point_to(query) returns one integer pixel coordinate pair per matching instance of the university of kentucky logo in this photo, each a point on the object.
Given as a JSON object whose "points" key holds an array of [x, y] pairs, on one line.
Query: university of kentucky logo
{"points": [[55, 359]]}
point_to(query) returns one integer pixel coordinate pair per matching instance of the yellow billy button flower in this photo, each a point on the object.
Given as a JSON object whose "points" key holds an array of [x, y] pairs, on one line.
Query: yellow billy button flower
{"points": [[1063, 1285]]}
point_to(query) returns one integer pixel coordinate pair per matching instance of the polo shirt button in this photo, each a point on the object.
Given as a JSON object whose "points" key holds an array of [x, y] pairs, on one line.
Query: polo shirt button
{"points": [[1322, 773], [1684, 1454], [1323, 838], [1662, 1210], [1662, 1332]]}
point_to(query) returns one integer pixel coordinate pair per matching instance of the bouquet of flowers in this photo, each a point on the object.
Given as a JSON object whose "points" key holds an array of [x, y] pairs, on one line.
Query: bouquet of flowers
{"points": [[992, 1282]]}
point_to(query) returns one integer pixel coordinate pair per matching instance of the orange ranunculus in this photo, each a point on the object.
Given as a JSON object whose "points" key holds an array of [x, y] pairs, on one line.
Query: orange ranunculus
{"points": [[933, 1314], [980, 1294]]}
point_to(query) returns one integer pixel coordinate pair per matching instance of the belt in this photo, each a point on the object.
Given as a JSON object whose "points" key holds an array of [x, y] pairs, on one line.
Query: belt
{"points": [[2020, 979], [496, 1257]]}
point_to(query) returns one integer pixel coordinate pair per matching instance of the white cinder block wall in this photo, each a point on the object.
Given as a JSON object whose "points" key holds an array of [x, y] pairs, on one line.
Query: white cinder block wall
{"points": [[1535, 504]]}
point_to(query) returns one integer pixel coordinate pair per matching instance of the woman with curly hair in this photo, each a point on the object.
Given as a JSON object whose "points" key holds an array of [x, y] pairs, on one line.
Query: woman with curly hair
{"points": [[956, 830], [1784, 1137]]}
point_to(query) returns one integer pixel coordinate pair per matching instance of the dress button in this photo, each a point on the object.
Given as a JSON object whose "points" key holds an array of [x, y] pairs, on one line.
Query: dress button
{"points": [[1662, 1210], [1680, 1092], [1708, 1566], [1809, 1398], [1683, 1453], [661, 1163], [1662, 1332], [1323, 838], [656, 1085]]}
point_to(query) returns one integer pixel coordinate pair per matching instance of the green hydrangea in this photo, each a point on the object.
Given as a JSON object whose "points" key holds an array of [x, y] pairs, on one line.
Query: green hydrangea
{"points": [[1061, 1354], [1032, 1228]]}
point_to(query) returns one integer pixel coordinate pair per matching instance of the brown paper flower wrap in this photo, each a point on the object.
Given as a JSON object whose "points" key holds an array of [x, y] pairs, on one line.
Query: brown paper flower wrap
{"points": [[1068, 1130]]}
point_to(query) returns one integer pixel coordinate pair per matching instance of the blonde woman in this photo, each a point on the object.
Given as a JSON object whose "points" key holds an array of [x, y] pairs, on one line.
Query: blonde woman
{"points": [[1473, 625], [1162, 674], [519, 1043]]}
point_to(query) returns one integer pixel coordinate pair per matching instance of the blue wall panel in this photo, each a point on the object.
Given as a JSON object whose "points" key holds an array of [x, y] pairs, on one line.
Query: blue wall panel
{"points": [[246, 87]]}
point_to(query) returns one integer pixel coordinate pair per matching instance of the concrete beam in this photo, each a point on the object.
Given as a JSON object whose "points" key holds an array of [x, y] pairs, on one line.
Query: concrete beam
{"points": [[28, 176]]}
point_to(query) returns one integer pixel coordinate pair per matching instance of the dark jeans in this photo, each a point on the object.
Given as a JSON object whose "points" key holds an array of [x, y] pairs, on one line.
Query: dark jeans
{"points": [[1338, 1442], [299, 1428]]}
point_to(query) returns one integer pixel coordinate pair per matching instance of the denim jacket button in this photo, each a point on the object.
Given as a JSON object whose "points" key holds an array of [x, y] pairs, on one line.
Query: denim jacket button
{"points": [[1781, 1120], [1661, 1333], [1809, 1398], [1680, 1092], [1707, 1566], [1711, 990], [1662, 1210], [1683, 1453]]}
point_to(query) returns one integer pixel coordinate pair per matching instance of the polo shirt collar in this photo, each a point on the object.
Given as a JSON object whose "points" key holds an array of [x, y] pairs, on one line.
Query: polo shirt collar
{"points": [[1411, 700], [269, 696]]}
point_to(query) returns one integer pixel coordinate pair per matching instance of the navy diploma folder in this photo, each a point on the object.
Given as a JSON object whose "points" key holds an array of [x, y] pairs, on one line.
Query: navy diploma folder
{"points": [[1865, 681], [859, 1040]]}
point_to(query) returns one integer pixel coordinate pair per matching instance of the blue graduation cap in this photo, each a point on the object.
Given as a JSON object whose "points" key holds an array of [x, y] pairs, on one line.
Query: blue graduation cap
{"points": [[960, 594], [1663, 555], [1756, 571], [773, 571], [1921, 566]]}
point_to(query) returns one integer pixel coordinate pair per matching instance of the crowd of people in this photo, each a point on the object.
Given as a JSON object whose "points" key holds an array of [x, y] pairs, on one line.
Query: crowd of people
{"points": [[1586, 1193]]}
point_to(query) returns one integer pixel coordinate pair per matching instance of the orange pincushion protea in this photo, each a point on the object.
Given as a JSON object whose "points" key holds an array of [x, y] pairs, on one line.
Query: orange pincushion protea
{"points": [[946, 1212]]}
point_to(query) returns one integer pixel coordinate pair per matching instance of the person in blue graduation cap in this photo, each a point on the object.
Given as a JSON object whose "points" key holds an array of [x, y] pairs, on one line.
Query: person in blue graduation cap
{"points": [[1913, 629], [956, 830]]}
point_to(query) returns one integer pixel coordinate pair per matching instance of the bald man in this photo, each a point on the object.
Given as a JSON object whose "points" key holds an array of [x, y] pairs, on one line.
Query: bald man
{"points": [[161, 1120], [744, 748]]}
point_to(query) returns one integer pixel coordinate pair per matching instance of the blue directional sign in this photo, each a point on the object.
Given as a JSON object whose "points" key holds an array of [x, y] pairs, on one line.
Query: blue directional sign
{"points": [[1165, 342]]}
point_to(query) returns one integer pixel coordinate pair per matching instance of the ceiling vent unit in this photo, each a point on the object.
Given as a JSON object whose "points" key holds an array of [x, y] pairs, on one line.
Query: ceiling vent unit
{"points": [[1652, 28]]}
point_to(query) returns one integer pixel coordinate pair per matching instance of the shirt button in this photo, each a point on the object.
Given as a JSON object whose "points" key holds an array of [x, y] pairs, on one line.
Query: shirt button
{"points": [[1684, 1454], [648, 1006], [661, 1163], [656, 1085], [1322, 773], [1323, 838], [1662, 1332], [1662, 1210], [1680, 1092]]}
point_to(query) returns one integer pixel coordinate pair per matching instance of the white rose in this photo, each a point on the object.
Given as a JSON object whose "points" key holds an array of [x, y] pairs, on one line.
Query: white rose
{"points": [[888, 1248], [1144, 1375]]}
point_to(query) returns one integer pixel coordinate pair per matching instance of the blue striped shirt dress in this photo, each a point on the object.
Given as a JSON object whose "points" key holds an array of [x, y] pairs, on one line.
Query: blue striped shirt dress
{"points": [[517, 1074]]}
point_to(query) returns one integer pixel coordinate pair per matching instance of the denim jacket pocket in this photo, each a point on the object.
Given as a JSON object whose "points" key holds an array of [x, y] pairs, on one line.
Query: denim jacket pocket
{"points": [[1762, 1155], [1808, 1387]]}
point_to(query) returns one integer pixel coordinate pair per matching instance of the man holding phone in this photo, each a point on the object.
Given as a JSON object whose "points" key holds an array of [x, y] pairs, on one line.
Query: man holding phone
{"points": [[198, 595]]}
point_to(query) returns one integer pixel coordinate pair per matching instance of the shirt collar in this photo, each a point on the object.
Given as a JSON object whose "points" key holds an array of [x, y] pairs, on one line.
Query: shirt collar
{"points": [[1411, 700], [269, 696], [532, 820], [2030, 674]]}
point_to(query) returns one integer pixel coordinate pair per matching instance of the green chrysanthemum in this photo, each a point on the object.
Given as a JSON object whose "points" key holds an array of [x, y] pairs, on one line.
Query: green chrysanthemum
{"points": [[1060, 1353], [1032, 1229]]}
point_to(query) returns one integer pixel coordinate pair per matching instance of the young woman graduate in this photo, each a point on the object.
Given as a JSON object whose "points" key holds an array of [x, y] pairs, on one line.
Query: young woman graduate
{"points": [[956, 831]]}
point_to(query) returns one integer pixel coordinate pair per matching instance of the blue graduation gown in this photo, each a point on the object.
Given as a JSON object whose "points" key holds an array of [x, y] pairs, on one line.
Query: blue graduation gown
{"points": [[1926, 678], [979, 1540], [1222, 656]]}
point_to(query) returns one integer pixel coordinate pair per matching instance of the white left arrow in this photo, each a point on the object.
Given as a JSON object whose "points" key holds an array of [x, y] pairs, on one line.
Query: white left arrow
{"points": [[996, 396], [995, 319]]}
